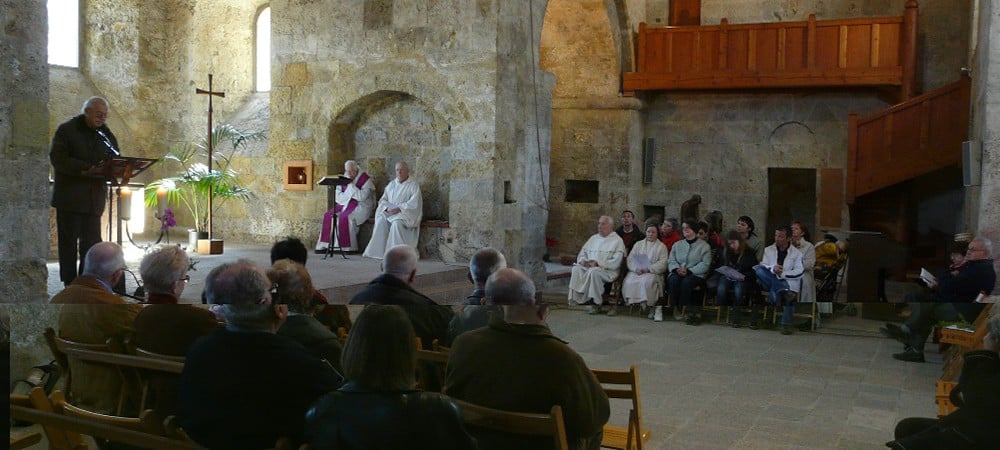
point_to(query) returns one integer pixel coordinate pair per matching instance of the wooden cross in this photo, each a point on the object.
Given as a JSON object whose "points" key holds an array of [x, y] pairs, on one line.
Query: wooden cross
{"points": [[210, 93]]}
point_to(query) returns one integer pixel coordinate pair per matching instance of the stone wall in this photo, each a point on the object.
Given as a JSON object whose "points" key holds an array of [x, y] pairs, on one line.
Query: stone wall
{"points": [[23, 145], [453, 60]]}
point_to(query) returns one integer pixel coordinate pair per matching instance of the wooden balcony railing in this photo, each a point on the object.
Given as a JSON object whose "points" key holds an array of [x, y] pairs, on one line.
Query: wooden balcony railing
{"points": [[912, 138], [851, 52]]}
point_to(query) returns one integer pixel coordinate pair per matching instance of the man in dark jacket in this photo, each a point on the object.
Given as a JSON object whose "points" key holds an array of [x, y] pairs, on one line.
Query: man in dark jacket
{"points": [[243, 386], [79, 144], [954, 300], [394, 287], [518, 365]]}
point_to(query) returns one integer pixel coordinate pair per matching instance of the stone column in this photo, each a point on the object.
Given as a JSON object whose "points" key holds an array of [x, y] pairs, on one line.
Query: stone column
{"points": [[24, 118], [985, 217]]}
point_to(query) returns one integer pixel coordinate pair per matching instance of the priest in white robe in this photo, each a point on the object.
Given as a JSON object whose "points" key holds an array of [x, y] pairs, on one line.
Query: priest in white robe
{"points": [[598, 263], [647, 263], [354, 203], [397, 216]]}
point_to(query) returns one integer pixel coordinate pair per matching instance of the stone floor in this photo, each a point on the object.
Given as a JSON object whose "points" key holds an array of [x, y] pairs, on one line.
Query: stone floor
{"points": [[715, 387]]}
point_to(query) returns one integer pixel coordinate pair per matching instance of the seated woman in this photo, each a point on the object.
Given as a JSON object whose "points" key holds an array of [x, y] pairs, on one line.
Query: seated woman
{"points": [[688, 264], [379, 408], [740, 257], [293, 287], [646, 264], [973, 425]]}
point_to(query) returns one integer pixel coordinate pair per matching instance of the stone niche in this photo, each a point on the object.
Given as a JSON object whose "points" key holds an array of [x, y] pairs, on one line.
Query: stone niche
{"points": [[387, 127]]}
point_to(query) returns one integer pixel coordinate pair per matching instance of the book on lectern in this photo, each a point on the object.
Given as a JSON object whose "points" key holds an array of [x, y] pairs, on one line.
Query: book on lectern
{"points": [[330, 180]]}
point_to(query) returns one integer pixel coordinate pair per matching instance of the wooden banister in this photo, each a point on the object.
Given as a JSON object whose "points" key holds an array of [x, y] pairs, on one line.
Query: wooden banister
{"points": [[909, 139], [875, 51]]}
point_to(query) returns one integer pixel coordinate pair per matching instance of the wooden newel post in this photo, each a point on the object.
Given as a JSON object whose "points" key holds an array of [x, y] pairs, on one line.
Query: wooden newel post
{"points": [[211, 191], [909, 51]]}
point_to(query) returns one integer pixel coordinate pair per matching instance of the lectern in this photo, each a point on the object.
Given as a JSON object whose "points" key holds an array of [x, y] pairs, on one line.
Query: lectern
{"points": [[333, 183], [116, 171]]}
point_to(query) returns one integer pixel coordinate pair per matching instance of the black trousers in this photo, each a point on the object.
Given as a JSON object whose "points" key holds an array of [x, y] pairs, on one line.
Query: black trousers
{"points": [[76, 233]]}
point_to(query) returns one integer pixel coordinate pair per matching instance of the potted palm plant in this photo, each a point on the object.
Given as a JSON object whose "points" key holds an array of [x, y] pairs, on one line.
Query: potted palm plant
{"points": [[191, 186]]}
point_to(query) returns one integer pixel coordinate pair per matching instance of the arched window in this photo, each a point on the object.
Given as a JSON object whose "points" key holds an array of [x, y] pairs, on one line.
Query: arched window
{"points": [[263, 56], [64, 32]]}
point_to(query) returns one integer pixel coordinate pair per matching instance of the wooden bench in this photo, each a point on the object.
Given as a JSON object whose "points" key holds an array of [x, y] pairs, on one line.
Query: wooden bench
{"points": [[961, 341]]}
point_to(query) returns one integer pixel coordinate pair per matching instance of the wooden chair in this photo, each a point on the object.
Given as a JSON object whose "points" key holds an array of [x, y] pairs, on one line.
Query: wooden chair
{"points": [[430, 367], [52, 417], [529, 424], [25, 440], [633, 435], [59, 438], [63, 350]]}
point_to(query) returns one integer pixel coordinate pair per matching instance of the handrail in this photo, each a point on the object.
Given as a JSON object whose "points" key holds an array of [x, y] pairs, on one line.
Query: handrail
{"points": [[908, 139], [874, 51]]}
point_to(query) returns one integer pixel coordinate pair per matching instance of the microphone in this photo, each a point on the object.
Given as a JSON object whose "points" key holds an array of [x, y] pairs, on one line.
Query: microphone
{"points": [[108, 143]]}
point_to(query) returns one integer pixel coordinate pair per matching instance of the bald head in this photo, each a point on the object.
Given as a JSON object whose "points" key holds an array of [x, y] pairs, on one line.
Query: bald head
{"points": [[237, 283], [103, 260], [485, 263], [402, 172], [401, 261], [605, 225], [510, 287]]}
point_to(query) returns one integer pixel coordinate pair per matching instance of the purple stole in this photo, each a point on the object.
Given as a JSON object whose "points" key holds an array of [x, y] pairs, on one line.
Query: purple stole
{"points": [[344, 213]]}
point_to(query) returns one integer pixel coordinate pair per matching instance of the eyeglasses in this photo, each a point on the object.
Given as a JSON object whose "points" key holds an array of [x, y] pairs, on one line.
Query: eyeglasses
{"points": [[974, 249], [275, 298], [185, 278]]}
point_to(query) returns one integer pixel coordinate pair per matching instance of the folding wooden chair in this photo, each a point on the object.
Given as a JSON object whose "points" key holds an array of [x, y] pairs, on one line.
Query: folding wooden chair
{"points": [[59, 438], [624, 385], [63, 350], [528, 424]]}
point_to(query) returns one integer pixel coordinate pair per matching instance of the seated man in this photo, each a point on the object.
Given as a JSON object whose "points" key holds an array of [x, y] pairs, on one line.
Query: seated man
{"points": [[518, 365], [474, 312], [780, 273], [243, 386], [629, 231], [91, 314], [597, 263], [394, 287], [973, 425], [353, 206], [954, 300], [397, 216], [164, 326]]}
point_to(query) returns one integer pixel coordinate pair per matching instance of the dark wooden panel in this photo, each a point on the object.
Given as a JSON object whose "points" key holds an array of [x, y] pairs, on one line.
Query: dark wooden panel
{"points": [[859, 46], [831, 198], [685, 12], [827, 47]]}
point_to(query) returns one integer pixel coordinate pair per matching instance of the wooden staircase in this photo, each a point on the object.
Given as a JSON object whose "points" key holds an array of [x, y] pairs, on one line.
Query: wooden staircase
{"points": [[918, 136]]}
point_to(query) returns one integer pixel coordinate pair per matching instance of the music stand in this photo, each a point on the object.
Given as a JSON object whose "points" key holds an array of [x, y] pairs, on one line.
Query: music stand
{"points": [[334, 183]]}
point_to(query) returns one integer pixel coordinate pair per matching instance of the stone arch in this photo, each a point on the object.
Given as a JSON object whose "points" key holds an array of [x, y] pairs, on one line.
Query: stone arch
{"points": [[386, 127], [581, 43]]}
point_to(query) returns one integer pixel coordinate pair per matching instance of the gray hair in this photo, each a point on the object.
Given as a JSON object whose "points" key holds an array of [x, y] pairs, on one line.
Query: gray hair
{"points": [[239, 287], [103, 260], [485, 263], [993, 326], [352, 164], [608, 218], [987, 245], [91, 101], [510, 287], [162, 267], [400, 261]]}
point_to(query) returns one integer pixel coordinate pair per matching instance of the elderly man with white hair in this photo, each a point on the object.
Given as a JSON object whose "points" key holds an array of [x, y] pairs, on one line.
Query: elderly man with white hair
{"points": [[597, 264], [243, 386], [398, 214], [92, 314], [353, 205]]}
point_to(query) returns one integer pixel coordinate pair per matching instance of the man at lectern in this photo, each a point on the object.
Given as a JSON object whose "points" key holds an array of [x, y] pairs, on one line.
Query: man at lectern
{"points": [[79, 144], [354, 203]]}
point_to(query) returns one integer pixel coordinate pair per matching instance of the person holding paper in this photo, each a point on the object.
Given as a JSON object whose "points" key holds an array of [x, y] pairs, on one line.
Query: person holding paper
{"points": [[646, 264], [354, 202], [397, 216], [79, 144], [738, 260]]}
